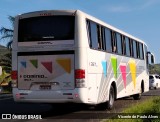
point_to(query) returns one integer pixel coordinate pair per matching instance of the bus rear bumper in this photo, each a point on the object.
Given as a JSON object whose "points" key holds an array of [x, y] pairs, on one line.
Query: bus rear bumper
{"points": [[47, 96]]}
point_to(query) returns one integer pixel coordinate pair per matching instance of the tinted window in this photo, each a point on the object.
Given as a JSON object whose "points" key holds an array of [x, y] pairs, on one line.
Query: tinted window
{"points": [[93, 35], [141, 51], [146, 55], [103, 38], [123, 45], [151, 77], [108, 40], [119, 44], [138, 51], [114, 42], [157, 77], [101, 41], [131, 47], [127, 46], [46, 28], [134, 48]]}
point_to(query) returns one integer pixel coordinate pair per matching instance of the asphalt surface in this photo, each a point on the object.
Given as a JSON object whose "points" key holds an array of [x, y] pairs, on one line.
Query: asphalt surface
{"points": [[67, 112]]}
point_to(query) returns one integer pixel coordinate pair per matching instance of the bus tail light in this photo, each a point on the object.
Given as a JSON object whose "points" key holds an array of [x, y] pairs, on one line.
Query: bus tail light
{"points": [[80, 78], [80, 74], [14, 77]]}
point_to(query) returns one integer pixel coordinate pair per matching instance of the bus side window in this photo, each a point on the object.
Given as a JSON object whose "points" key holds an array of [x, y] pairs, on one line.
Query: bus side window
{"points": [[123, 45], [138, 51], [114, 42], [108, 40], [93, 35], [134, 49], [127, 47], [141, 51], [103, 38], [146, 56], [89, 33], [131, 47], [119, 43], [101, 43]]}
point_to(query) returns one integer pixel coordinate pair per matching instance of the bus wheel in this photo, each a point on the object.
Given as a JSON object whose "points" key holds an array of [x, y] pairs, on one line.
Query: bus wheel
{"points": [[111, 98], [109, 104], [138, 96], [156, 86]]}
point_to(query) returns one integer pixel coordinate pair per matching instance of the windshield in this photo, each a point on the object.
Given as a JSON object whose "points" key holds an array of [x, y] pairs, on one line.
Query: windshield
{"points": [[151, 77], [46, 28]]}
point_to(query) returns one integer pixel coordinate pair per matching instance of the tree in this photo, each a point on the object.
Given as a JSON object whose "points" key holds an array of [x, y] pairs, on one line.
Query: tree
{"points": [[5, 60], [7, 34], [5, 77], [154, 69]]}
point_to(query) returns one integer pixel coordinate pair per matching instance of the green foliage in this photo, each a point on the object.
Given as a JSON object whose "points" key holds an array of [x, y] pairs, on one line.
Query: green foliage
{"points": [[3, 51], [7, 33], [154, 69], [5, 63], [5, 55], [5, 77], [148, 107]]}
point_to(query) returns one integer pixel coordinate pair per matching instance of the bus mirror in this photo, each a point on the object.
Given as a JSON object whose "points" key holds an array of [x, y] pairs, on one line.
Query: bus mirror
{"points": [[152, 58]]}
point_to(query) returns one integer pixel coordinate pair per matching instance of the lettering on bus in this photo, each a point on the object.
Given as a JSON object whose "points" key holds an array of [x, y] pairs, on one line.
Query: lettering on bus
{"points": [[93, 64], [34, 76]]}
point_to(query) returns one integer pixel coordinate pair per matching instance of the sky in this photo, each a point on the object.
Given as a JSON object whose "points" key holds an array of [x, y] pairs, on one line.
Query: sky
{"points": [[140, 18]]}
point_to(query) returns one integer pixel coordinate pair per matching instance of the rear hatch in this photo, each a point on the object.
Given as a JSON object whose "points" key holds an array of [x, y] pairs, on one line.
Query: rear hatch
{"points": [[46, 70], [46, 50]]}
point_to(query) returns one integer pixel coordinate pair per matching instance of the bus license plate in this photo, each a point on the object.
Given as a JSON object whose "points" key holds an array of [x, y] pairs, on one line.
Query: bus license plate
{"points": [[45, 87]]}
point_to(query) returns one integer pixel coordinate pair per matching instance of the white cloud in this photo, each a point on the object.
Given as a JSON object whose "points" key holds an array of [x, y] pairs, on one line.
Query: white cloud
{"points": [[118, 9], [149, 3]]}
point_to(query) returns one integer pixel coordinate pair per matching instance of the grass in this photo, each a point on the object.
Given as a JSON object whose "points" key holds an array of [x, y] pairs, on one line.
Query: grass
{"points": [[146, 111]]}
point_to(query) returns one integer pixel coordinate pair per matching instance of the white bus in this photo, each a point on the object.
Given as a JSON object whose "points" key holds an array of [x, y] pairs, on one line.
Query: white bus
{"points": [[62, 56]]}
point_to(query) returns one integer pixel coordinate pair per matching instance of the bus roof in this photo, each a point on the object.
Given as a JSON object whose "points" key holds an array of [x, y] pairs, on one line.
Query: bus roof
{"points": [[112, 27], [87, 16]]}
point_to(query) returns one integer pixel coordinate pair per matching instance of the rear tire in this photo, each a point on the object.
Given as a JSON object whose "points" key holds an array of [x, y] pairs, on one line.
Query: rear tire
{"points": [[109, 104], [156, 86], [111, 98]]}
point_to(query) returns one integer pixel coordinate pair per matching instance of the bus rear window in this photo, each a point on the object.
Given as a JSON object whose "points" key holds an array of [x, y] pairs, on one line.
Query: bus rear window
{"points": [[46, 28]]}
